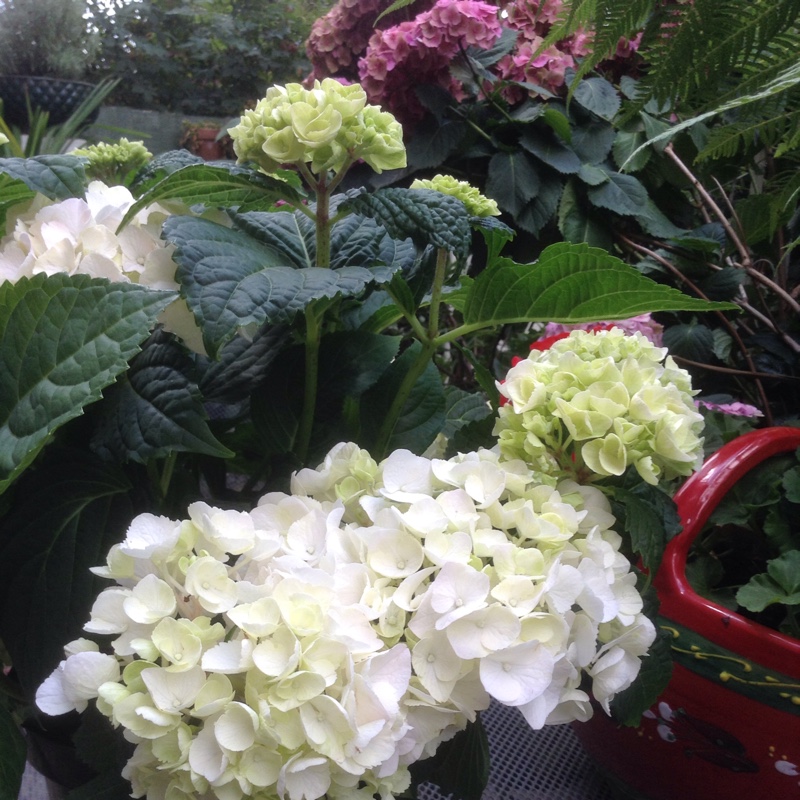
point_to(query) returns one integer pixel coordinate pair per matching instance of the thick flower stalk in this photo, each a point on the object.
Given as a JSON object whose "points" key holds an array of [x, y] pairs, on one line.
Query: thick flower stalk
{"points": [[596, 403], [324, 641]]}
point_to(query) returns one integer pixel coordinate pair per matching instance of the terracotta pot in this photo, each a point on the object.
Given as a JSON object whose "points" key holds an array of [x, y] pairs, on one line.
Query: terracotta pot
{"points": [[728, 725], [206, 145]]}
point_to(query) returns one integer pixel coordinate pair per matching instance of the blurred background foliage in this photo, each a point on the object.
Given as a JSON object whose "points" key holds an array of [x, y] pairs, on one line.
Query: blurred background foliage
{"points": [[200, 57]]}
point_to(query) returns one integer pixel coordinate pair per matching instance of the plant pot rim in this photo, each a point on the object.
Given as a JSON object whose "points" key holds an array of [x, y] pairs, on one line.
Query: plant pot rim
{"points": [[696, 500]]}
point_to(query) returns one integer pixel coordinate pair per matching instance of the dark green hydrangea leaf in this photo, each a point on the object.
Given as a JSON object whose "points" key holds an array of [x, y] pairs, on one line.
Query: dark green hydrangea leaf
{"points": [[231, 281], [691, 340], [434, 142], [423, 215], [155, 409], [290, 232], [63, 339], [549, 149], [46, 552], [422, 417], [628, 706], [512, 181], [593, 141], [544, 206], [621, 193], [241, 365], [460, 766], [463, 408], [598, 96], [56, 177]]}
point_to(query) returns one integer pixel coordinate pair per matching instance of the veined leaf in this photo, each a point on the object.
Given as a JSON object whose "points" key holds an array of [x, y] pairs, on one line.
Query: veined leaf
{"points": [[433, 142], [512, 181], [422, 417], [232, 281], [570, 283], [423, 215], [12, 193], [217, 186], [156, 409], [622, 194], [598, 96], [551, 151], [63, 339], [241, 365], [463, 408], [56, 177]]}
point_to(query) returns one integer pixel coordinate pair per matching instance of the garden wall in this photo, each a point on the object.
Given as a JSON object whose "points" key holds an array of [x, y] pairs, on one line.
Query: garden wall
{"points": [[159, 130]]}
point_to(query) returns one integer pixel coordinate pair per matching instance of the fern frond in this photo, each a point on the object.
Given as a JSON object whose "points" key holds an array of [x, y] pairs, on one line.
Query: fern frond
{"points": [[610, 20], [694, 48], [778, 129]]}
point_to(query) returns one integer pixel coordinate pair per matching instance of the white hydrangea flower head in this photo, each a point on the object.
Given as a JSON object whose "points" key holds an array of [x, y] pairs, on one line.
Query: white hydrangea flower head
{"points": [[319, 644], [79, 236]]}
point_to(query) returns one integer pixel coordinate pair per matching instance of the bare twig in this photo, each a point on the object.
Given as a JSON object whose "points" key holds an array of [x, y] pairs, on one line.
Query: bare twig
{"points": [[744, 253]]}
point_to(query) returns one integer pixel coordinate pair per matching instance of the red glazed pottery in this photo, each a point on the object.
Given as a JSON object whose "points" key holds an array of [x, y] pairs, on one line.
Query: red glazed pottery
{"points": [[728, 724]]}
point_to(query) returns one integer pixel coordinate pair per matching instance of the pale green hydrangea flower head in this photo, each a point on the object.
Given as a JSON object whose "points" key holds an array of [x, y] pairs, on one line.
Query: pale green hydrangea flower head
{"points": [[325, 127], [477, 204], [599, 402]]}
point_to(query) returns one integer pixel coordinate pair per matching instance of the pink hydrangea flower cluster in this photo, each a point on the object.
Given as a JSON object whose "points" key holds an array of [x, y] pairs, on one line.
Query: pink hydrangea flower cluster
{"points": [[338, 38], [533, 20], [404, 53], [420, 51]]}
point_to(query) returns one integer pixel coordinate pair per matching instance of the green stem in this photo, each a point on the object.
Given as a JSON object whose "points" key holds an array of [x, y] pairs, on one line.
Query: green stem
{"points": [[313, 331], [411, 377], [167, 472], [436, 292], [429, 343]]}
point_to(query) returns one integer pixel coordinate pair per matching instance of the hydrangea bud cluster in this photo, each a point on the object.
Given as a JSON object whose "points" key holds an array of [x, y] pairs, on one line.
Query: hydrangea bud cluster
{"points": [[599, 402], [79, 236], [324, 641], [326, 127], [477, 204], [420, 51], [110, 159]]}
